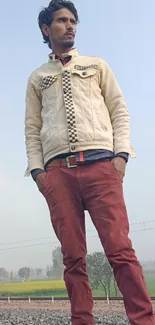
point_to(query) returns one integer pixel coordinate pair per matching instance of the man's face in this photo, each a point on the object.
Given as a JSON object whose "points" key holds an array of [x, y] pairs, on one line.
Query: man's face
{"points": [[62, 30]]}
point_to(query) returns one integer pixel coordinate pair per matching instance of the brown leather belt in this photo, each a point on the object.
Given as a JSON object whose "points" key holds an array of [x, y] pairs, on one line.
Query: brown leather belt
{"points": [[69, 162]]}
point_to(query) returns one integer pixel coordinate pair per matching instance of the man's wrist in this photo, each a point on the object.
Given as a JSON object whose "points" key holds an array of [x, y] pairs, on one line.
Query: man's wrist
{"points": [[36, 172], [123, 155]]}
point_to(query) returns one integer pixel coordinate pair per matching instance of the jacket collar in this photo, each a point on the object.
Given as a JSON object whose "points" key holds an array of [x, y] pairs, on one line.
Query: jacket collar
{"points": [[73, 53]]}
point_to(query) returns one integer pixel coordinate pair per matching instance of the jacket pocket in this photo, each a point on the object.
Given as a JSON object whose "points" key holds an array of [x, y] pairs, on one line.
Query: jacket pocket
{"points": [[83, 78]]}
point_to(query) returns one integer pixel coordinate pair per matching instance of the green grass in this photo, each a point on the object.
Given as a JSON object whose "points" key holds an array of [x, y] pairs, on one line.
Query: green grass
{"points": [[150, 280]]}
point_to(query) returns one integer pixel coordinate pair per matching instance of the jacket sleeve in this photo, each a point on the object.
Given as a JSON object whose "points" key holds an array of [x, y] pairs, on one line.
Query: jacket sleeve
{"points": [[33, 125], [118, 111]]}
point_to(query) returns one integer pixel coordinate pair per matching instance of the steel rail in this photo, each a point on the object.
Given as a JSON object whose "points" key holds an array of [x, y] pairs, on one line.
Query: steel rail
{"points": [[60, 298]]}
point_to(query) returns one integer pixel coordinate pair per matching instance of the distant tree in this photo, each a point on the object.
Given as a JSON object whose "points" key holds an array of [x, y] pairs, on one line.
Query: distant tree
{"points": [[100, 272], [15, 276], [32, 273], [4, 275], [11, 276], [57, 259], [116, 290], [38, 272], [24, 272], [49, 271]]}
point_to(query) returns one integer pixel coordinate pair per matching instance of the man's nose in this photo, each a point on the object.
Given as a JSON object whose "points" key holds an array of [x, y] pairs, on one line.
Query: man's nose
{"points": [[69, 25]]}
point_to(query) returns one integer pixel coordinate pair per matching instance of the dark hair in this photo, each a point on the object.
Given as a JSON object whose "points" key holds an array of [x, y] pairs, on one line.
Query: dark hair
{"points": [[46, 15]]}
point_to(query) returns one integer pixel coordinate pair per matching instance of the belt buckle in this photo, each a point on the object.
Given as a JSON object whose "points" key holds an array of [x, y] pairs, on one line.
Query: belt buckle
{"points": [[68, 162]]}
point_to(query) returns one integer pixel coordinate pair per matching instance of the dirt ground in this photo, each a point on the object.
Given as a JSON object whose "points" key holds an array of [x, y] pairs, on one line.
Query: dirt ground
{"points": [[99, 306]]}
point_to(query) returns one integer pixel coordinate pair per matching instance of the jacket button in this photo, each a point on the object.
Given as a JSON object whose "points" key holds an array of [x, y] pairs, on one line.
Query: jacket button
{"points": [[73, 148], [84, 73]]}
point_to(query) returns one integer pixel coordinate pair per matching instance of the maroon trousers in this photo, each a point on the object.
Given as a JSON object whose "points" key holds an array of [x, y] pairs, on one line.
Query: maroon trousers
{"points": [[96, 188]]}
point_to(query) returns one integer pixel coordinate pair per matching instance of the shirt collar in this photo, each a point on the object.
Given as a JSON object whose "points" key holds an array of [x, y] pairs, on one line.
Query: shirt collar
{"points": [[73, 53]]}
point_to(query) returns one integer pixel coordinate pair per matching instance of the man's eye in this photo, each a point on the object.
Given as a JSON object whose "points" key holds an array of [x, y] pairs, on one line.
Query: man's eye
{"points": [[73, 22], [63, 20]]}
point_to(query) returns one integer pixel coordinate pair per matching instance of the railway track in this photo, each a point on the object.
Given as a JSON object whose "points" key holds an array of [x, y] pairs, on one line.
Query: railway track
{"points": [[59, 299]]}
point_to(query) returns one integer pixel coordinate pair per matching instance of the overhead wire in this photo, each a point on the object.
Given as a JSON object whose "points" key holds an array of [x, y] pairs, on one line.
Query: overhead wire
{"points": [[56, 242], [45, 238]]}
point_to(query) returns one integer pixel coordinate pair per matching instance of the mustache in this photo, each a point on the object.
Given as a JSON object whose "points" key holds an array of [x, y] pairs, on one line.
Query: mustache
{"points": [[70, 32]]}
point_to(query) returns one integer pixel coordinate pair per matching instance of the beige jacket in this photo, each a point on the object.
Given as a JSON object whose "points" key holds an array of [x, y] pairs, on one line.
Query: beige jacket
{"points": [[73, 108]]}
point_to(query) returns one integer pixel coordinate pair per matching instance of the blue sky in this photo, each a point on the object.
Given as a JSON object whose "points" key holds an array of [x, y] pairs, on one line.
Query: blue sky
{"points": [[121, 32]]}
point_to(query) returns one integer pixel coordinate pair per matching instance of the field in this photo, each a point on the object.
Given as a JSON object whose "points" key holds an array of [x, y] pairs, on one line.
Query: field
{"points": [[33, 288], [52, 288]]}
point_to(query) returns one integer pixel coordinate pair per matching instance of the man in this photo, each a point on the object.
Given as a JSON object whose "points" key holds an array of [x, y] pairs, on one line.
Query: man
{"points": [[78, 142]]}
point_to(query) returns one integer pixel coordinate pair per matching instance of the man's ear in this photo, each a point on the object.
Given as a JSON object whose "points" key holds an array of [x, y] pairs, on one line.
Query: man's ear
{"points": [[45, 29]]}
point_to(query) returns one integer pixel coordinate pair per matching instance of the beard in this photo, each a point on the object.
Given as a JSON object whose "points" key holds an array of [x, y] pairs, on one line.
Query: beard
{"points": [[67, 44]]}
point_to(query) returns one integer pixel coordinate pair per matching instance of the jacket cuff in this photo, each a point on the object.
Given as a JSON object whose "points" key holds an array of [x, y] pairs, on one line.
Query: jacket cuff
{"points": [[36, 172], [123, 155]]}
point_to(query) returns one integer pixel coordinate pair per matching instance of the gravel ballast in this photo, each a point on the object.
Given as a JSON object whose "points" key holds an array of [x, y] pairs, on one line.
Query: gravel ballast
{"points": [[50, 317], [46, 313]]}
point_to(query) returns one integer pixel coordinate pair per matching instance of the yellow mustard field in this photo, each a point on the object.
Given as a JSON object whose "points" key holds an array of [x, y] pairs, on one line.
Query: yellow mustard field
{"points": [[32, 286]]}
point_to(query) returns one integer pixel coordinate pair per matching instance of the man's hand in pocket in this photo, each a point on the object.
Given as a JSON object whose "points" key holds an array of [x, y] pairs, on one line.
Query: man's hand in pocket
{"points": [[119, 164], [40, 181]]}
